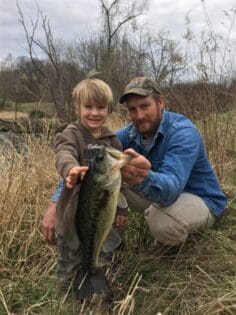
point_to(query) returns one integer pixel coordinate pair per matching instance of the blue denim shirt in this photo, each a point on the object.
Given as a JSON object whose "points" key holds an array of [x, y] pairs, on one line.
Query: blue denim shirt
{"points": [[179, 164], [55, 197]]}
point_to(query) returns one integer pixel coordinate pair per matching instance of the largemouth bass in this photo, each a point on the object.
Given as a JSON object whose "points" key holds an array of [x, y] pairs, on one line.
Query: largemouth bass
{"points": [[95, 215]]}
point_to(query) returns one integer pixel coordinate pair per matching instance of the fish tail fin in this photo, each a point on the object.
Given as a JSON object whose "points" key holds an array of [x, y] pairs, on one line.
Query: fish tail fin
{"points": [[89, 284]]}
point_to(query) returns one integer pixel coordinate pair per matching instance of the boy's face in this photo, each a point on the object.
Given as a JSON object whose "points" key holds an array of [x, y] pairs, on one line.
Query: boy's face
{"points": [[93, 116]]}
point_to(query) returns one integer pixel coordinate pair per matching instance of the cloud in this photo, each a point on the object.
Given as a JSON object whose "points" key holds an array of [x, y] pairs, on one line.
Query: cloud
{"points": [[171, 15], [67, 18], [71, 17]]}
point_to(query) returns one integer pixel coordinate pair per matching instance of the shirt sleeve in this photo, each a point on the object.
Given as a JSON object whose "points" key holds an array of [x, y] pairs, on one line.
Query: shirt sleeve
{"points": [[55, 197], [165, 185], [67, 153]]}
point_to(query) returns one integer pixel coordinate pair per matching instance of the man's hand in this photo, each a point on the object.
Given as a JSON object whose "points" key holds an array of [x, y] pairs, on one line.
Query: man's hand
{"points": [[74, 174], [137, 169], [49, 222]]}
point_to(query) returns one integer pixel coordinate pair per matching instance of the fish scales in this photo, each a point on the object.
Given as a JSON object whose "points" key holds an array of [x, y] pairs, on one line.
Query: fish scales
{"points": [[95, 215], [96, 222]]}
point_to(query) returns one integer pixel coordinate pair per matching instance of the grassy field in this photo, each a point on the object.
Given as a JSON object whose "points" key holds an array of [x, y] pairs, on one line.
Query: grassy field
{"points": [[10, 115], [197, 278], [48, 108]]}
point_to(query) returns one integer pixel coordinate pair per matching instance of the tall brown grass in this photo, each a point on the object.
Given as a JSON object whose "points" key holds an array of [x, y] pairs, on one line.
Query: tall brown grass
{"points": [[144, 279], [27, 180]]}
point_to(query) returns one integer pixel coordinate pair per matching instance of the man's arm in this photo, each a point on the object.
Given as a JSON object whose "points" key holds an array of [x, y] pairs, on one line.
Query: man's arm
{"points": [[165, 185], [49, 218], [55, 197], [49, 223]]}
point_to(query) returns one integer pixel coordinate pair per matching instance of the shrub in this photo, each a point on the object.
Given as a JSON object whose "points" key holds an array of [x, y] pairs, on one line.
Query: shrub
{"points": [[37, 114]]}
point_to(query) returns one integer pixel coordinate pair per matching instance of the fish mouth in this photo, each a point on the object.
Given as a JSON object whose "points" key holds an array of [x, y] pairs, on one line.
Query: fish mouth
{"points": [[118, 155], [122, 160]]}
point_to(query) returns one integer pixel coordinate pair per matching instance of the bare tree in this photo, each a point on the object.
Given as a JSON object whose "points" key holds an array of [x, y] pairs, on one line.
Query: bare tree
{"points": [[51, 69], [164, 59], [11, 87], [117, 14]]}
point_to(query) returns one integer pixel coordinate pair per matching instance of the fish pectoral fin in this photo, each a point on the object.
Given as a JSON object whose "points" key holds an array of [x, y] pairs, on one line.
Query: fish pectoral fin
{"points": [[112, 241], [122, 202], [92, 283]]}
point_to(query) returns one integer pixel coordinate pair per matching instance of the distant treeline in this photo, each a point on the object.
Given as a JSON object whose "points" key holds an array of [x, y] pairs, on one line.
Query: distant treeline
{"points": [[117, 52], [23, 83], [200, 98]]}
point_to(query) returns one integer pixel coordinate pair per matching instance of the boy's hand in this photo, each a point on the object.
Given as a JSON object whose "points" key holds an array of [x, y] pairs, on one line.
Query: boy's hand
{"points": [[120, 220], [74, 174]]}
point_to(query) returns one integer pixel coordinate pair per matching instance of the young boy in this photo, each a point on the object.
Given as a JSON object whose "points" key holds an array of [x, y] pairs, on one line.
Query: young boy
{"points": [[93, 102]]}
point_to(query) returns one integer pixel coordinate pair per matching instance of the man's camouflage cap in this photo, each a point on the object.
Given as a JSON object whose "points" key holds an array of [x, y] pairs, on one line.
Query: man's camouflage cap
{"points": [[142, 86]]}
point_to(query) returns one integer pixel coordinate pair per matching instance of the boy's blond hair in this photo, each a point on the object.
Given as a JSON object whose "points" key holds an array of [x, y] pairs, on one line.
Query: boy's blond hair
{"points": [[92, 92]]}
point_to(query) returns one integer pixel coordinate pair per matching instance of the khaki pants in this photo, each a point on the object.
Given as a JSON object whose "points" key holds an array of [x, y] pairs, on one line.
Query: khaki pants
{"points": [[172, 225]]}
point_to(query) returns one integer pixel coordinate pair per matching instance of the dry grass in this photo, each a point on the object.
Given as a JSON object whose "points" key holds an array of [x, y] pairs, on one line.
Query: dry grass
{"points": [[116, 121], [198, 278], [219, 135]]}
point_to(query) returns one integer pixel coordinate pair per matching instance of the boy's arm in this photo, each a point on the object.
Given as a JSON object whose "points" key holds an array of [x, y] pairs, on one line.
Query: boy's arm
{"points": [[67, 157], [66, 148]]}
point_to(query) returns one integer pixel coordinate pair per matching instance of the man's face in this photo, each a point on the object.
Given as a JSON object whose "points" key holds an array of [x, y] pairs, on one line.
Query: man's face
{"points": [[145, 112]]}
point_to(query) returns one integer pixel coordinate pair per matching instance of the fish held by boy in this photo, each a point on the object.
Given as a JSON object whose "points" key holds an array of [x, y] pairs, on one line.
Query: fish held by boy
{"points": [[95, 215]]}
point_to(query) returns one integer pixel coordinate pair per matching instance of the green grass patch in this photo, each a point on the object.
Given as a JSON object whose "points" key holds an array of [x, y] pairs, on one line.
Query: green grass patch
{"points": [[47, 108]]}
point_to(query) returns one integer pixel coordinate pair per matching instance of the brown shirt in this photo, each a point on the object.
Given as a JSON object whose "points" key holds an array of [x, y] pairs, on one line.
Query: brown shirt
{"points": [[69, 148]]}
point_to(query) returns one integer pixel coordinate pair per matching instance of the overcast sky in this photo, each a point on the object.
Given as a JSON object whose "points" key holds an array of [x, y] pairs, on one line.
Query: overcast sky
{"points": [[71, 17]]}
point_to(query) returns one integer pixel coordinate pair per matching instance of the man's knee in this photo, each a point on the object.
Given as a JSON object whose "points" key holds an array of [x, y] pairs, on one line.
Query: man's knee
{"points": [[165, 229], [172, 225], [170, 234]]}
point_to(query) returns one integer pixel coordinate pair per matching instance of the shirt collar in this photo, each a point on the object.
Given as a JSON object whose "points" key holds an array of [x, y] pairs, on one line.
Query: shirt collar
{"points": [[135, 134]]}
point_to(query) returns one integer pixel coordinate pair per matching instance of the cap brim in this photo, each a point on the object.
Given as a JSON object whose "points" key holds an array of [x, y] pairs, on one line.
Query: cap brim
{"points": [[136, 91]]}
